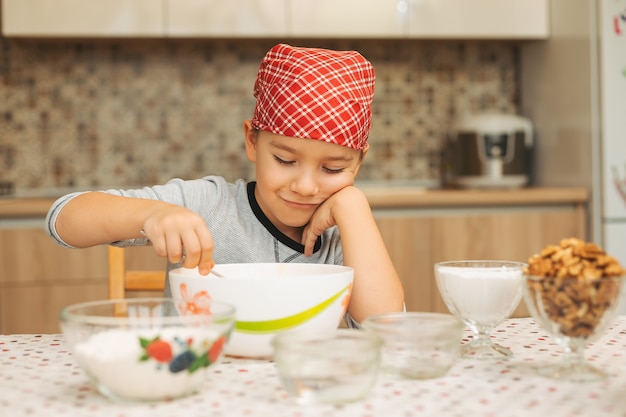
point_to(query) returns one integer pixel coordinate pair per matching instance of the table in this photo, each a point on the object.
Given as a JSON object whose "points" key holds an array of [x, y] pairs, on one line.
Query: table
{"points": [[39, 377]]}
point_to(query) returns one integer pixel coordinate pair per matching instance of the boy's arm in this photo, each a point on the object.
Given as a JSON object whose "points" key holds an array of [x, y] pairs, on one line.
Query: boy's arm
{"points": [[377, 287], [96, 218]]}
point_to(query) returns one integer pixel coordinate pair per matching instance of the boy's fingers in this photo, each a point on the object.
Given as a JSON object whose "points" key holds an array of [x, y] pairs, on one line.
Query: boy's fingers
{"points": [[192, 254], [205, 267], [206, 262], [174, 248], [308, 240], [158, 244]]}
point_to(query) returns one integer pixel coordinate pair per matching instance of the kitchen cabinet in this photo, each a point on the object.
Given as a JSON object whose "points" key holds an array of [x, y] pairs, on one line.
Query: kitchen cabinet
{"points": [[215, 18], [348, 18], [39, 278], [480, 19], [420, 19], [420, 227], [416, 240], [79, 18], [401, 19]]}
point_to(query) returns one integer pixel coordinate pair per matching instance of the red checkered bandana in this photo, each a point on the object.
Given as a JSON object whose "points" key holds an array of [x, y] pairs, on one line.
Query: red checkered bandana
{"points": [[315, 94]]}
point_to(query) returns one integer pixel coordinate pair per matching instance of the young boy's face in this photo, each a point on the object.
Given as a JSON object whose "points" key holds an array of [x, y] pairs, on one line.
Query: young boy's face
{"points": [[294, 176]]}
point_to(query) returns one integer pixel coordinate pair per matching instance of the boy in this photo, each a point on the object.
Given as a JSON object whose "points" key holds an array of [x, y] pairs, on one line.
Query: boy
{"points": [[307, 137]]}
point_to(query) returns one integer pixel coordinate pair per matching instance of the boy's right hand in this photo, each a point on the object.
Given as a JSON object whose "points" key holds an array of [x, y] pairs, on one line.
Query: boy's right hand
{"points": [[176, 232]]}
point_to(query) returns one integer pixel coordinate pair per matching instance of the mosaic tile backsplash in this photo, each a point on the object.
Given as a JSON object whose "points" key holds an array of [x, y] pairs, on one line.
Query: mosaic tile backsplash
{"points": [[95, 113]]}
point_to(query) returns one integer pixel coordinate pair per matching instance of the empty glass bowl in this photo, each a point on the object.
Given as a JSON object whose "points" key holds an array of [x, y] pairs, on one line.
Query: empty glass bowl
{"points": [[331, 366], [575, 311], [417, 345], [483, 294], [147, 349]]}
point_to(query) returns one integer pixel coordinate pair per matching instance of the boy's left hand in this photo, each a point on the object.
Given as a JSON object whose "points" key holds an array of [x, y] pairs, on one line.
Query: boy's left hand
{"points": [[327, 213]]}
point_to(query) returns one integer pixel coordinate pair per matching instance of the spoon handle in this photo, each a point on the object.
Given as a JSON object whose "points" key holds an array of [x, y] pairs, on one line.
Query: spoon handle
{"points": [[217, 273]]}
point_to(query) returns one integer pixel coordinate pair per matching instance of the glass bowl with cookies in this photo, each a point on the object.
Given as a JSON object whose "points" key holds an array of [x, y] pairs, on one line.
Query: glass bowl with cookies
{"points": [[573, 290]]}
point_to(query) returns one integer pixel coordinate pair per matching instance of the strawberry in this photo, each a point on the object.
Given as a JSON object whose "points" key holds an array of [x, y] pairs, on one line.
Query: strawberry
{"points": [[216, 349], [159, 350]]}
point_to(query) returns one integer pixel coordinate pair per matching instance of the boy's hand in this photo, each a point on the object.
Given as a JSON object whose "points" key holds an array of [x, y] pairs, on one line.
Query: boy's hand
{"points": [[327, 214], [176, 232]]}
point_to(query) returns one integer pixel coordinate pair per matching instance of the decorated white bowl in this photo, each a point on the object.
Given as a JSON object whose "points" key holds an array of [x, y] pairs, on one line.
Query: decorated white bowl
{"points": [[270, 298], [147, 349]]}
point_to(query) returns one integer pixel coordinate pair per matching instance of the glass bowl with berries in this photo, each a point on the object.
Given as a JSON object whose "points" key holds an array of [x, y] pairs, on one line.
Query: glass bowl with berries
{"points": [[147, 349]]}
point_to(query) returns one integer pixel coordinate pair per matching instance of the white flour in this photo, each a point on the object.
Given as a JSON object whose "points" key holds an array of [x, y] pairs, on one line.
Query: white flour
{"points": [[481, 295], [113, 359]]}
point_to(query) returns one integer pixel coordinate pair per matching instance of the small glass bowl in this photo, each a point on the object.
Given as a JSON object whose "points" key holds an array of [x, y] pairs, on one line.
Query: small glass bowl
{"points": [[147, 349], [417, 345], [322, 366]]}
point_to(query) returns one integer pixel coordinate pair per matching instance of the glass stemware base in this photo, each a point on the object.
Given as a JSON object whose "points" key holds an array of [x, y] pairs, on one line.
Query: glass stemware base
{"points": [[482, 347], [573, 367]]}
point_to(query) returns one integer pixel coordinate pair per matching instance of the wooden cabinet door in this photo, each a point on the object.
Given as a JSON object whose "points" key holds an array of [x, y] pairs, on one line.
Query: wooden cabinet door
{"points": [[28, 256], [39, 278], [241, 18], [408, 241], [82, 18], [348, 18], [416, 242], [482, 19], [511, 236], [36, 308]]}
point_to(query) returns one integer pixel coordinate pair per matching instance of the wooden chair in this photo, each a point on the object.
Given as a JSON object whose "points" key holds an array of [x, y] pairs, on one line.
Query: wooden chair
{"points": [[122, 279]]}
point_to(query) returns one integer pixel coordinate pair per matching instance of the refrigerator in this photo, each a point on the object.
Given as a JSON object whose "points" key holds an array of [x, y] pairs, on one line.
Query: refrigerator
{"points": [[612, 100]]}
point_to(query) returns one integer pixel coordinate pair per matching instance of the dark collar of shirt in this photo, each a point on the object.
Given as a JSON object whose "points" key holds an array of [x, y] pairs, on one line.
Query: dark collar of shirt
{"points": [[283, 238]]}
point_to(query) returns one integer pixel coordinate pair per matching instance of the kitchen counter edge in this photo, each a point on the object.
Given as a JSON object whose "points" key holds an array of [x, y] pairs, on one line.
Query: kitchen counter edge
{"points": [[385, 197]]}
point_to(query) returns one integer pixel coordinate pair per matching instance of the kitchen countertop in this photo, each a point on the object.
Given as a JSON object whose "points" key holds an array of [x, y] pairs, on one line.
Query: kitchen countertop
{"points": [[379, 195], [40, 377], [404, 196]]}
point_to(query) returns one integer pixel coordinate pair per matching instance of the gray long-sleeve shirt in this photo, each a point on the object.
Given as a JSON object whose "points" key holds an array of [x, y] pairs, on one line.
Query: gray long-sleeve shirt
{"points": [[241, 232]]}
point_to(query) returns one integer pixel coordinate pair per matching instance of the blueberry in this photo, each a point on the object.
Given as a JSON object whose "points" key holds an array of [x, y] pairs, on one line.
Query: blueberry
{"points": [[182, 361]]}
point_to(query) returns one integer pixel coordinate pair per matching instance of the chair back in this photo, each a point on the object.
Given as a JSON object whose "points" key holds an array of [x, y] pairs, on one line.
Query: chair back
{"points": [[123, 279]]}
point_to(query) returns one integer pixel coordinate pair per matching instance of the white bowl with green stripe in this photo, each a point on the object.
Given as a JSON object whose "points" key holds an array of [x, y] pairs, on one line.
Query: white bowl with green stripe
{"points": [[269, 298]]}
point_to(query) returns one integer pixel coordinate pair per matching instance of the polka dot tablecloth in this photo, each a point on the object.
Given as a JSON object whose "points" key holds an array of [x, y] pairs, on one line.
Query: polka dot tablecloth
{"points": [[39, 377]]}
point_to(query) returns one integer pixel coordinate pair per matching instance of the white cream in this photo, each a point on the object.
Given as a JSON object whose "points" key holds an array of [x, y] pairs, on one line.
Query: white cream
{"points": [[482, 296], [113, 359]]}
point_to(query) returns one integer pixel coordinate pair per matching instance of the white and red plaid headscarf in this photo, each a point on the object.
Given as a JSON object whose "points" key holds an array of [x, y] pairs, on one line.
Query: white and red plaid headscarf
{"points": [[315, 93]]}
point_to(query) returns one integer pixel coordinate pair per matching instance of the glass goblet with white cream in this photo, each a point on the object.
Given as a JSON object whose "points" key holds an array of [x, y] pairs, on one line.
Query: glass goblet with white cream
{"points": [[482, 293]]}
